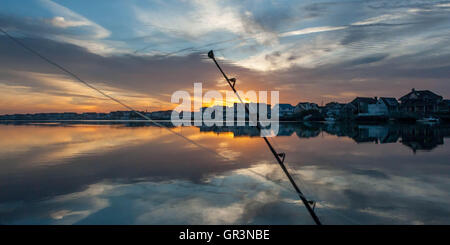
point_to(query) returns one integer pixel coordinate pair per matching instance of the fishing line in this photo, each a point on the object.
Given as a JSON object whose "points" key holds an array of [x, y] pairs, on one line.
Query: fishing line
{"points": [[109, 96], [195, 48]]}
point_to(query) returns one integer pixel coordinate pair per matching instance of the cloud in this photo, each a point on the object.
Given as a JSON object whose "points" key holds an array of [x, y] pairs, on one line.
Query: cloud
{"points": [[200, 22], [144, 80], [68, 18], [65, 26], [59, 21], [369, 59], [320, 60], [311, 30], [356, 41], [380, 19]]}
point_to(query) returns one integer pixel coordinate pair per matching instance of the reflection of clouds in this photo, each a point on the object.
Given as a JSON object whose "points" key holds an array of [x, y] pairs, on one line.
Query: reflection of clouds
{"points": [[64, 209], [238, 198], [193, 211], [147, 177], [70, 141], [224, 150], [396, 185], [390, 215], [386, 199], [86, 203]]}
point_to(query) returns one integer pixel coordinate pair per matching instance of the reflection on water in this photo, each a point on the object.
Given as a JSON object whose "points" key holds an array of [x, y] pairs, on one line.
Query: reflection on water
{"points": [[137, 173], [415, 136]]}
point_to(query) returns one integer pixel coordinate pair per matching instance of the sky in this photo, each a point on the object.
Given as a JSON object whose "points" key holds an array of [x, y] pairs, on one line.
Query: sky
{"points": [[141, 52]]}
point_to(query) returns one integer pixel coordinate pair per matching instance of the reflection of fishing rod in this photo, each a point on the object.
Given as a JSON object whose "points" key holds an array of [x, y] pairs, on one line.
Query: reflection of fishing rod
{"points": [[278, 156]]}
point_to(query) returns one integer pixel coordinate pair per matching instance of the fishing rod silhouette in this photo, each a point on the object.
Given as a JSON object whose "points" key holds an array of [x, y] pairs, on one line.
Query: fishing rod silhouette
{"points": [[278, 156]]}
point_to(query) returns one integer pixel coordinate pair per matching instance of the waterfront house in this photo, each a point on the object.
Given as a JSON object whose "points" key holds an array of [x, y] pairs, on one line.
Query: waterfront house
{"points": [[121, 115], [69, 116], [161, 115], [348, 111], [332, 109], [389, 104], [384, 106], [444, 106], [362, 104], [420, 101], [241, 114], [89, 116], [305, 106], [285, 110]]}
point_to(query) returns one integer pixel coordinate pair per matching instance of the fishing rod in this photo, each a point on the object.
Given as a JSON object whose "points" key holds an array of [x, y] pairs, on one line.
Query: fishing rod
{"points": [[278, 156]]}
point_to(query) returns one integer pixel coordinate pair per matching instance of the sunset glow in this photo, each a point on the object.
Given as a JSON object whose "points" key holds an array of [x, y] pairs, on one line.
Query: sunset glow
{"points": [[309, 51]]}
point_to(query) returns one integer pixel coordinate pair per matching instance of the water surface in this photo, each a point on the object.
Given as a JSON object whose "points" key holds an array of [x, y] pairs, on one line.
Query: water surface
{"points": [[100, 173]]}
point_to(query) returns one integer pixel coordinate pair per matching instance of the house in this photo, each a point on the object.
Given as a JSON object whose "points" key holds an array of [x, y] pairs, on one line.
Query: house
{"points": [[121, 115], [161, 115], [444, 106], [240, 113], [332, 109], [348, 111], [384, 106], [420, 101], [389, 104], [69, 116], [305, 106], [285, 110], [362, 104], [89, 116]]}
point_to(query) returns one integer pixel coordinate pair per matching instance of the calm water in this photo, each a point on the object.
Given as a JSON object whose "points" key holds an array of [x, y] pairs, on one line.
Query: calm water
{"points": [[143, 174]]}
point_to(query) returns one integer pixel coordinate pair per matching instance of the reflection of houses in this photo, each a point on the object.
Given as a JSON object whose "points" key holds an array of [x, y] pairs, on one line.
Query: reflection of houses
{"points": [[377, 133], [414, 136], [423, 137], [365, 134], [420, 101], [286, 129], [305, 130], [237, 131], [307, 133]]}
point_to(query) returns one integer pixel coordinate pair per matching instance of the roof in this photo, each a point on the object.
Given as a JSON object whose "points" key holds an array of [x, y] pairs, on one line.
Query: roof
{"points": [[306, 103], [389, 101], [349, 105], [285, 106], [367, 100], [421, 94], [334, 104]]}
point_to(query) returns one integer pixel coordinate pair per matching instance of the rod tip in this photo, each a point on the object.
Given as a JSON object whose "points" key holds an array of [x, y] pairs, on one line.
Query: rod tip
{"points": [[211, 54]]}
